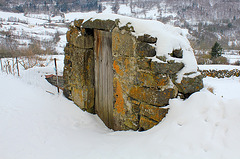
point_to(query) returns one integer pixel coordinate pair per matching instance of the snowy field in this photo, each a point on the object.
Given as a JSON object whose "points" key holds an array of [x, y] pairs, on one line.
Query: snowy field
{"points": [[35, 124], [218, 67]]}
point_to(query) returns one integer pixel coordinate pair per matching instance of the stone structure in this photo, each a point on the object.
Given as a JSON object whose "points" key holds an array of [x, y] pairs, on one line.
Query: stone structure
{"points": [[220, 73], [106, 72]]}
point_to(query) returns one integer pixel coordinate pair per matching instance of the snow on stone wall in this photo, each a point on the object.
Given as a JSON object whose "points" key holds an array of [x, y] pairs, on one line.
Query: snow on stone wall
{"points": [[150, 63]]}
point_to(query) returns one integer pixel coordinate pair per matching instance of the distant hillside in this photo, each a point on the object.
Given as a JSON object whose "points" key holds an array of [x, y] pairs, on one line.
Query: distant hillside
{"points": [[48, 6], [207, 21]]}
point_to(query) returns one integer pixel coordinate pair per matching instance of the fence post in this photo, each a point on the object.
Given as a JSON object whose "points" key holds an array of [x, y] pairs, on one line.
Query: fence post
{"points": [[7, 68], [55, 62], [17, 67], [1, 64], [13, 68]]}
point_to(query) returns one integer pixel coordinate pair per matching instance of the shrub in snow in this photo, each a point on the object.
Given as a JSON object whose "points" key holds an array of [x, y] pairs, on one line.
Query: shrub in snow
{"points": [[216, 50], [237, 63], [203, 59], [220, 60]]}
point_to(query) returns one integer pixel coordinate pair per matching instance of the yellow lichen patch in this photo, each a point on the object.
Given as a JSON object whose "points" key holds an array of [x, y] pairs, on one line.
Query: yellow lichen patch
{"points": [[78, 22], [152, 112], [68, 36], [67, 57], [126, 64], [119, 104], [147, 80], [74, 31], [135, 102], [138, 93], [152, 80], [117, 68], [115, 41], [78, 97], [162, 81], [146, 124], [132, 122]]}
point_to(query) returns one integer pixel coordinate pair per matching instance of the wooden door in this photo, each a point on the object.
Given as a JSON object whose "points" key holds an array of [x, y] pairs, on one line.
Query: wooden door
{"points": [[103, 76]]}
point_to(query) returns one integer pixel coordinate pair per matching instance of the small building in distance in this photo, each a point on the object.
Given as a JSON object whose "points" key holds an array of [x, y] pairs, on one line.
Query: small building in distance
{"points": [[126, 70]]}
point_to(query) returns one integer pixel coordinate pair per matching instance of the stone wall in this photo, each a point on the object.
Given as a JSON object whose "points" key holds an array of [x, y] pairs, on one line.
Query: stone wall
{"points": [[79, 67], [140, 90], [220, 73], [141, 87]]}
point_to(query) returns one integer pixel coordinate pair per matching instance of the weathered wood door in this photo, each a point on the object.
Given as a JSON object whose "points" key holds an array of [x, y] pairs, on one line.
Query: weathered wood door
{"points": [[103, 76]]}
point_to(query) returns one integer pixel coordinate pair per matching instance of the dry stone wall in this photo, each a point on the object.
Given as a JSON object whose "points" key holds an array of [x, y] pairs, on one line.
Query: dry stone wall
{"points": [[220, 73], [141, 87], [79, 68]]}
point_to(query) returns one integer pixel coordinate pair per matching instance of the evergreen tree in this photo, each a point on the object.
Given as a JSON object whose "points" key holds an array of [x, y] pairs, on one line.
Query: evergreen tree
{"points": [[216, 50]]}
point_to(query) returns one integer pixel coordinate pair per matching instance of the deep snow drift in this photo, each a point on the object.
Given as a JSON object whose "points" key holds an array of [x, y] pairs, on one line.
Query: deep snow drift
{"points": [[36, 124]]}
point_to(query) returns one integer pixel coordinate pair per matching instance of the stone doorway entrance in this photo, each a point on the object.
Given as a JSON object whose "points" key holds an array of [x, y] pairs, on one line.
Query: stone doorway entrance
{"points": [[103, 76], [116, 71]]}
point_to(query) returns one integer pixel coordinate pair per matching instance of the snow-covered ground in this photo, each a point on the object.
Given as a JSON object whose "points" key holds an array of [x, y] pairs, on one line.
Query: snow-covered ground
{"points": [[36, 124], [218, 67], [25, 27]]}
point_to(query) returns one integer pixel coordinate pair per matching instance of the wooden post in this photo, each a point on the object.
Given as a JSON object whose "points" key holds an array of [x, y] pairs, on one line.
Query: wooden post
{"points": [[17, 67], [13, 68], [55, 62], [7, 68], [1, 64]]}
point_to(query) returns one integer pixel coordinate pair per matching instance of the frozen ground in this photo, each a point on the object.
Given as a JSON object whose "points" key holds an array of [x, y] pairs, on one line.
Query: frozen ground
{"points": [[36, 124], [218, 67]]}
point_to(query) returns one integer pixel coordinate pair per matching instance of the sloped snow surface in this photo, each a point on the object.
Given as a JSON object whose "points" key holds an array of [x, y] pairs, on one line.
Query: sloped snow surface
{"points": [[37, 124]]}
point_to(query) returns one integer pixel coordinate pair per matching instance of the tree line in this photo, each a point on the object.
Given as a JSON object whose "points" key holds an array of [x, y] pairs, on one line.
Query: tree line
{"points": [[48, 6]]}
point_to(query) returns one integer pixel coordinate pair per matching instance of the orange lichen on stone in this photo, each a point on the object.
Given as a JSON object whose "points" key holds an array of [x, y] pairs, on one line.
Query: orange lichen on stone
{"points": [[138, 93], [117, 68], [127, 65], [83, 31], [77, 95], [74, 32], [135, 102], [78, 22], [119, 104], [146, 123], [68, 36], [162, 82], [116, 41], [67, 57], [152, 112]]}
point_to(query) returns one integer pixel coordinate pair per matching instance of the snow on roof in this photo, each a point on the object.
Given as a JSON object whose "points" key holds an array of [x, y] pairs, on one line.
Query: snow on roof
{"points": [[168, 38]]}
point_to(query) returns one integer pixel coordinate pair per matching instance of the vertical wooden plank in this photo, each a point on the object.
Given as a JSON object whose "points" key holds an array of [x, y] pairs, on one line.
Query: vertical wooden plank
{"points": [[103, 76], [100, 113], [103, 94], [101, 110], [104, 71], [110, 82], [96, 69], [99, 75]]}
